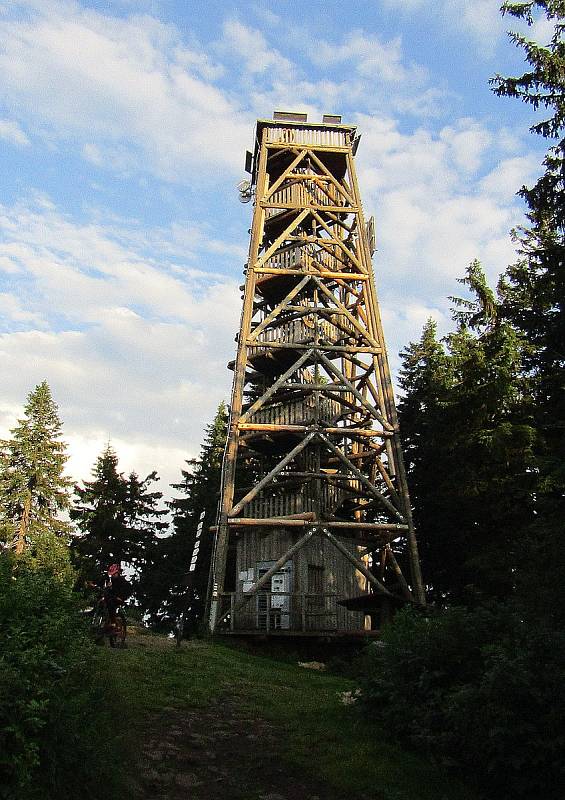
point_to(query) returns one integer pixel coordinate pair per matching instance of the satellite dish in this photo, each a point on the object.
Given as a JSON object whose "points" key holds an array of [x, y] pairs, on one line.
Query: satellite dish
{"points": [[245, 191]]}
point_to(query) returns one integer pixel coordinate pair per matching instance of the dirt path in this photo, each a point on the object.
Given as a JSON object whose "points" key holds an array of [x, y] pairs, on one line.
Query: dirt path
{"points": [[218, 753]]}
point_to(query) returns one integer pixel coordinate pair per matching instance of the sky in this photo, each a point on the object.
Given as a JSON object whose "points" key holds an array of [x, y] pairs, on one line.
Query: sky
{"points": [[123, 130]]}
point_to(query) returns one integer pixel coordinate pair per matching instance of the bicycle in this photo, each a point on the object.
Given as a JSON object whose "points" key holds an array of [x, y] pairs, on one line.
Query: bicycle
{"points": [[102, 627]]}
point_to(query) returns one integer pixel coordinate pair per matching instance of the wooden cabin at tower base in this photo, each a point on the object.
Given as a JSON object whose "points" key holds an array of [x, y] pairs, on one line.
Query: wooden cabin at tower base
{"points": [[305, 595]]}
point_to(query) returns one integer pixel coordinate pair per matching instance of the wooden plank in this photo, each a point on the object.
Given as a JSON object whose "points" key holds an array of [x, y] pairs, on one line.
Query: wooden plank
{"points": [[272, 389], [312, 206], [344, 276], [269, 477], [264, 426], [368, 526], [268, 522], [269, 574], [310, 147], [333, 348], [360, 565], [280, 180], [281, 306], [350, 433]]}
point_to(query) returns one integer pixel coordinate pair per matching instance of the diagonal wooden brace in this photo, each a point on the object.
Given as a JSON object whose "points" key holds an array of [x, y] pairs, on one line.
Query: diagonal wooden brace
{"points": [[272, 474], [276, 386], [364, 480], [355, 392], [360, 565], [268, 575]]}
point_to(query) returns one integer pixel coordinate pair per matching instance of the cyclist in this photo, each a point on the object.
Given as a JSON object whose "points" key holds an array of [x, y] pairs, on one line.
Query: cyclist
{"points": [[117, 590], [114, 592]]}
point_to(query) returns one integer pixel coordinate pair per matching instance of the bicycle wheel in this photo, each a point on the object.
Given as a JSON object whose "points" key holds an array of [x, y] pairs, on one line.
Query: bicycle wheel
{"points": [[98, 625], [118, 636]]}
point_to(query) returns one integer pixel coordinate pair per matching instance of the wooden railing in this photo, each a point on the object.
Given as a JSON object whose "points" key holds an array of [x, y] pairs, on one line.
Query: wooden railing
{"points": [[295, 134], [296, 499], [292, 611], [299, 412]]}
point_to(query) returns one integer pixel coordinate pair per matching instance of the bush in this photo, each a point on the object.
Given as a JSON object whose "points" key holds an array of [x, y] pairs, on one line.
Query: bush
{"points": [[482, 690], [52, 699]]}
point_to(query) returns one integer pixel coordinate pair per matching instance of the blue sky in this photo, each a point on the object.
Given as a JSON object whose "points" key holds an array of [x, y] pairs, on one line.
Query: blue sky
{"points": [[123, 128]]}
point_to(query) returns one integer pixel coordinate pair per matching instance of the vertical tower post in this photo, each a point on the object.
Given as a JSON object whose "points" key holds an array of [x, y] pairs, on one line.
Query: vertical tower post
{"points": [[313, 444]]}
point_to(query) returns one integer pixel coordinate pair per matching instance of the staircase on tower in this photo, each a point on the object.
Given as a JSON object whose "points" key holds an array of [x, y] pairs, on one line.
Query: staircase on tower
{"points": [[314, 533]]}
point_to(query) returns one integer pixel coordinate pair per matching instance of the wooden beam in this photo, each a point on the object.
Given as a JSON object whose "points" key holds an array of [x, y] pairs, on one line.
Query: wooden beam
{"points": [[349, 276], [334, 348], [269, 574], [274, 388], [269, 477], [364, 480], [357, 563]]}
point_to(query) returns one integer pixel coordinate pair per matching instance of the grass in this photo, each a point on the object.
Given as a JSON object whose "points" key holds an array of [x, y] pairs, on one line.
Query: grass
{"points": [[319, 735]]}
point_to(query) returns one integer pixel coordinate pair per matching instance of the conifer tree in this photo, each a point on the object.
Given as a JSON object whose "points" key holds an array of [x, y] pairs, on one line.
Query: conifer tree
{"points": [[118, 517], [469, 449], [168, 587], [33, 488], [533, 289]]}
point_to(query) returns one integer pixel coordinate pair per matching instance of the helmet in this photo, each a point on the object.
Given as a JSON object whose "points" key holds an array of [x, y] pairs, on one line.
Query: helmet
{"points": [[114, 569]]}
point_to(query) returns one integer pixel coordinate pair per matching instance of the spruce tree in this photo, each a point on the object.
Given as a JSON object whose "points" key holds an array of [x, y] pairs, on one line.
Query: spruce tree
{"points": [[469, 449], [168, 587], [533, 293], [33, 488], [118, 517]]}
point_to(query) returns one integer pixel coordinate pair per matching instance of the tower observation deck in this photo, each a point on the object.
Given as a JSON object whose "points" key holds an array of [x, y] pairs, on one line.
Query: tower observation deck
{"points": [[314, 532]]}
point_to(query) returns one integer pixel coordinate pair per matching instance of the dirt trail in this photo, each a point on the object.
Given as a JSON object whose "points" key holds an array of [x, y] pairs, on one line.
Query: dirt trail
{"points": [[218, 753]]}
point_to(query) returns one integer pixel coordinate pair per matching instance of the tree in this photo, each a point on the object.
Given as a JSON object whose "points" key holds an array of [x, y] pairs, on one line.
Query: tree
{"points": [[168, 585], [118, 517], [468, 446], [533, 289], [33, 489]]}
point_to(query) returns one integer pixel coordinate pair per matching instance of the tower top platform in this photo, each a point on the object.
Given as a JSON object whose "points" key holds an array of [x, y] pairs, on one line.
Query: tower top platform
{"points": [[293, 128]]}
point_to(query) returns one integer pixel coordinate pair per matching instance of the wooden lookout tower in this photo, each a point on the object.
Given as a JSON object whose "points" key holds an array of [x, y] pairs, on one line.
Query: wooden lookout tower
{"points": [[314, 532]]}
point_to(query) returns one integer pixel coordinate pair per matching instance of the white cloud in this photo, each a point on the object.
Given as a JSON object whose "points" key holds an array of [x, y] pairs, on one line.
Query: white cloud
{"points": [[132, 349], [251, 49], [11, 132], [479, 20], [468, 142], [372, 58], [510, 175], [432, 215], [128, 88]]}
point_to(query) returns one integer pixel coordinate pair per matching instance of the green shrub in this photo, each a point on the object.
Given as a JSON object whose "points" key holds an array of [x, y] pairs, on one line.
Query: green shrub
{"points": [[482, 690], [53, 726]]}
